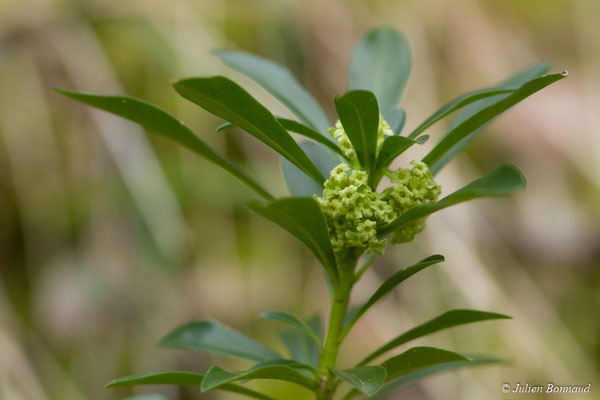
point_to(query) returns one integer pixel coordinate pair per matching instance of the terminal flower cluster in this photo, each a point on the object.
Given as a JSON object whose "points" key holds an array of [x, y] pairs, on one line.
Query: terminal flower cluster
{"points": [[340, 136], [354, 211]]}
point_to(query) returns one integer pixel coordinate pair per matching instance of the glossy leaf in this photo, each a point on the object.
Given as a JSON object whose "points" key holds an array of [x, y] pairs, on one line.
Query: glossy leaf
{"points": [[476, 121], [391, 148], [298, 183], [291, 320], [456, 104], [367, 380], [396, 120], [279, 81], [446, 320], [502, 181], [381, 64], [418, 358], [226, 99], [389, 285], [180, 378], [300, 346], [213, 337], [297, 127], [512, 83], [407, 379], [302, 217], [158, 120], [359, 114], [281, 370]]}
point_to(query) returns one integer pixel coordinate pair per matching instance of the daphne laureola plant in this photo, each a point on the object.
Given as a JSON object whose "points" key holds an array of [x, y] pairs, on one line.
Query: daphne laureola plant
{"points": [[336, 208]]}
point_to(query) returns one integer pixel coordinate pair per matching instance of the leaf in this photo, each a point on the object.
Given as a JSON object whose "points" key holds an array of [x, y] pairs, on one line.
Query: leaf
{"points": [[158, 120], [291, 320], [411, 377], [300, 346], [381, 64], [446, 320], [180, 378], [502, 181], [391, 148], [479, 119], [278, 81], [216, 376], [153, 396], [418, 358], [368, 379], [396, 120], [297, 127], [298, 183], [225, 99], [511, 83], [212, 337], [359, 114], [302, 217], [389, 285], [456, 104]]}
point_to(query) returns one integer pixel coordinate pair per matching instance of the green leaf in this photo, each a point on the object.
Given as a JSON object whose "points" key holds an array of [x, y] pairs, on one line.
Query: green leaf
{"points": [[418, 358], [446, 320], [512, 83], [502, 181], [368, 379], [381, 64], [278, 81], [158, 120], [479, 119], [213, 337], [297, 127], [396, 120], [302, 217], [391, 148], [180, 378], [291, 320], [226, 99], [411, 377], [298, 183], [359, 114], [278, 370], [300, 346], [455, 104], [389, 285]]}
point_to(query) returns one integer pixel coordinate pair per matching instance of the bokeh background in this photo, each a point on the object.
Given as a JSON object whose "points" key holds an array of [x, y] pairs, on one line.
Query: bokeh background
{"points": [[110, 238]]}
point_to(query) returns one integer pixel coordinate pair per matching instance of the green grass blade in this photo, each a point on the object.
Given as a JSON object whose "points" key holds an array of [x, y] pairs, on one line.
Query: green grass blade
{"points": [[224, 98], [279, 81], [160, 121], [381, 64]]}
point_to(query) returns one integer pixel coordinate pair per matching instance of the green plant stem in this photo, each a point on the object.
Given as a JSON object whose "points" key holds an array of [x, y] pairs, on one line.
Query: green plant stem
{"points": [[339, 307]]}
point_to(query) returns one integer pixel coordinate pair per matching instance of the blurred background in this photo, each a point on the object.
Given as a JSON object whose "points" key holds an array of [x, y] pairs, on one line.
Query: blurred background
{"points": [[110, 238]]}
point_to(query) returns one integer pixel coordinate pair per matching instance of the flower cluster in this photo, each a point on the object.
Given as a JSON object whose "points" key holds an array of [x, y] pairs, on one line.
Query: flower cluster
{"points": [[354, 211], [340, 136]]}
